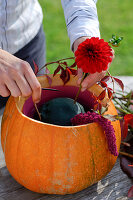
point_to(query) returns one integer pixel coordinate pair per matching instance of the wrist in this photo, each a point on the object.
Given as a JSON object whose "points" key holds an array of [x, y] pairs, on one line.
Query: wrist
{"points": [[79, 41]]}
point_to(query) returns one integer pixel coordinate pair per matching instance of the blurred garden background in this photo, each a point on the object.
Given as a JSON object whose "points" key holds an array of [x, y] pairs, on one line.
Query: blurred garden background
{"points": [[115, 17]]}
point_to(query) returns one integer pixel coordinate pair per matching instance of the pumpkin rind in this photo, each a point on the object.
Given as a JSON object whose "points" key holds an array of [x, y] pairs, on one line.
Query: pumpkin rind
{"points": [[54, 159]]}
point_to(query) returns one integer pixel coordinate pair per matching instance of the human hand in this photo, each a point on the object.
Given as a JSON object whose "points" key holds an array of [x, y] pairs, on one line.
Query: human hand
{"points": [[91, 79], [17, 78]]}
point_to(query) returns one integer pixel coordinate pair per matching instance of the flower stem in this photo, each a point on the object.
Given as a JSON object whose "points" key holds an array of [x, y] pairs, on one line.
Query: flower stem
{"points": [[37, 111], [125, 143], [121, 110], [77, 93], [129, 99], [84, 75], [126, 154], [123, 107], [55, 62]]}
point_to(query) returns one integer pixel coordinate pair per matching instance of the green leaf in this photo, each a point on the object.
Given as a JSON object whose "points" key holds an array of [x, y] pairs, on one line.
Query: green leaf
{"points": [[115, 40], [113, 36]]}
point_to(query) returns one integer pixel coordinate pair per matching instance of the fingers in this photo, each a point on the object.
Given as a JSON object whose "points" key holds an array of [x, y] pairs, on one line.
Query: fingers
{"points": [[80, 75], [34, 84], [23, 86], [113, 54], [17, 78], [4, 92], [90, 80], [12, 87], [78, 41]]}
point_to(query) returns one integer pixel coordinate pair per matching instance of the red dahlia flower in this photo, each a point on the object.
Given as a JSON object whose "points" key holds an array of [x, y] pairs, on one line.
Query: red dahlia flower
{"points": [[93, 55]]}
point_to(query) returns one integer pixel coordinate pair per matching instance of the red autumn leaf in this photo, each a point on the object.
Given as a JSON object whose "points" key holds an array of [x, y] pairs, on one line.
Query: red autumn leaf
{"points": [[64, 63], [49, 80], [119, 82], [73, 65], [103, 84], [110, 89], [68, 70], [106, 78], [36, 68], [65, 76], [130, 192], [128, 121], [57, 70], [102, 95], [125, 131], [73, 71], [110, 93], [97, 106]]}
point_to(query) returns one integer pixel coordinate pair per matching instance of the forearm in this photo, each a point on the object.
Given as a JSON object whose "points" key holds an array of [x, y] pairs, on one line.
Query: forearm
{"points": [[81, 19]]}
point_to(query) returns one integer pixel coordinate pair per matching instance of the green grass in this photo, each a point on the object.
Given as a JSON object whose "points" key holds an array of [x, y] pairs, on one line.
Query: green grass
{"points": [[115, 17]]}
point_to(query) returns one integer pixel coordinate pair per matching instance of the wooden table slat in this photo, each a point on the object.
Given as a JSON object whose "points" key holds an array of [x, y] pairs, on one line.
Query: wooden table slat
{"points": [[113, 187]]}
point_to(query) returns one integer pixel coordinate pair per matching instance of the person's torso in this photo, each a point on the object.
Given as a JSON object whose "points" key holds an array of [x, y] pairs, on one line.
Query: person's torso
{"points": [[20, 21]]}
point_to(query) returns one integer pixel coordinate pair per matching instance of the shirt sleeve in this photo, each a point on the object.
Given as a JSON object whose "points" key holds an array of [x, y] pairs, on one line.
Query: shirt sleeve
{"points": [[81, 18]]}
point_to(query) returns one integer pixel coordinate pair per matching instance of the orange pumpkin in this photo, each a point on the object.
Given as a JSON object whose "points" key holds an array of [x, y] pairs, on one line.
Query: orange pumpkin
{"points": [[53, 159]]}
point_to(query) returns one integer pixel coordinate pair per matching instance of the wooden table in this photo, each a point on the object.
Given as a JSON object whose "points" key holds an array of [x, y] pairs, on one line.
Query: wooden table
{"points": [[113, 187]]}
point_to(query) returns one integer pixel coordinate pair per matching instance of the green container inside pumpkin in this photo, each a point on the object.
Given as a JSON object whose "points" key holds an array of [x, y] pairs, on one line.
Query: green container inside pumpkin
{"points": [[59, 111]]}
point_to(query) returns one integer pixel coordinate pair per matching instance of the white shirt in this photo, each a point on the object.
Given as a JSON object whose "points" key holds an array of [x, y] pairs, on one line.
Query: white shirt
{"points": [[20, 21], [81, 18]]}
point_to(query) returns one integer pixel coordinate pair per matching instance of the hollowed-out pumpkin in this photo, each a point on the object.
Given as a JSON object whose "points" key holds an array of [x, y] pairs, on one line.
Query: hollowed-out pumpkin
{"points": [[53, 159]]}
